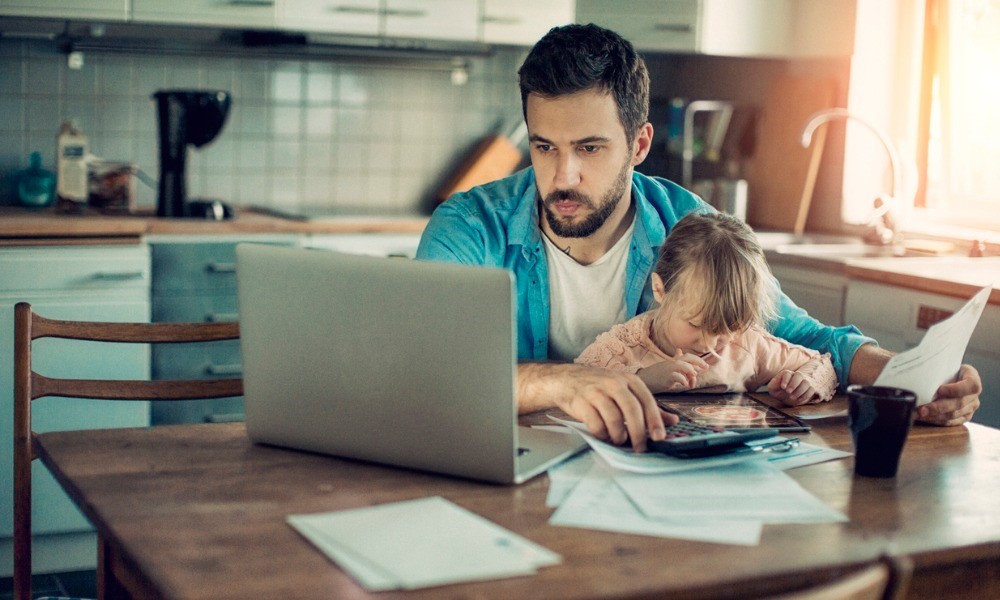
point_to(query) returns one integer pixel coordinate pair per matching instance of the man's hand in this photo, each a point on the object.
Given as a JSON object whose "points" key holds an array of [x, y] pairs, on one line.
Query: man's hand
{"points": [[954, 403], [613, 405]]}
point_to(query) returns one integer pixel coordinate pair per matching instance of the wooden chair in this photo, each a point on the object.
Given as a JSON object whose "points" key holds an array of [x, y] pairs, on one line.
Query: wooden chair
{"points": [[29, 386], [886, 579]]}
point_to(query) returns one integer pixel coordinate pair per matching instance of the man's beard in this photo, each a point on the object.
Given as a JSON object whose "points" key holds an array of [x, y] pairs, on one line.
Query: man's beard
{"points": [[597, 218]]}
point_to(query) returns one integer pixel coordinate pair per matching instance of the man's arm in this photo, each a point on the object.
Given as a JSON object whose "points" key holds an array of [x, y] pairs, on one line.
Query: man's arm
{"points": [[611, 404], [953, 404]]}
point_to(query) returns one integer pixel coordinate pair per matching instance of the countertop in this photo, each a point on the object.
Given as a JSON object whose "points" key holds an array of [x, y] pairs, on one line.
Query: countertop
{"points": [[20, 226], [951, 275]]}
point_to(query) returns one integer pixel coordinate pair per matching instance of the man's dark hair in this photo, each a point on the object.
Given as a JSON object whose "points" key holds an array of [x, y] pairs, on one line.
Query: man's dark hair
{"points": [[573, 58]]}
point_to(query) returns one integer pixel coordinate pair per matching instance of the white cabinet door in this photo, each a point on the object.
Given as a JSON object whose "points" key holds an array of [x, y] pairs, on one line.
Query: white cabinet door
{"points": [[523, 22], [105, 10], [348, 17], [765, 28], [220, 13], [432, 19], [69, 282]]}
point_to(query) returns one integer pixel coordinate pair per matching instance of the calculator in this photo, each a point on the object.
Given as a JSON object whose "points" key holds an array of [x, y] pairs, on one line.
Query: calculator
{"points": [[691, 440]]}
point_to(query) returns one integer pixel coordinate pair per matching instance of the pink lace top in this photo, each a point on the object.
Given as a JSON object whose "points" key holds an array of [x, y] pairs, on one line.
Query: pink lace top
{"points": [[748, 362]]}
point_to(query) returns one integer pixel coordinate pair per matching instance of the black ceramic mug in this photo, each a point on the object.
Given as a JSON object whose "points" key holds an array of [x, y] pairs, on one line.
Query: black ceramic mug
{"points": [[880, 419]]}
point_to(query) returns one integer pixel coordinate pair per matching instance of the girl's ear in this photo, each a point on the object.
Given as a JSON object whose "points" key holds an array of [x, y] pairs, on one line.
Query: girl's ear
{"points": [[658, 292]]}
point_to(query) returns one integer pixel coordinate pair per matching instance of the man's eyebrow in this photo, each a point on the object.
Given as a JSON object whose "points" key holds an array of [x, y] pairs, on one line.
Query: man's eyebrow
{"points": [[587, 140]]}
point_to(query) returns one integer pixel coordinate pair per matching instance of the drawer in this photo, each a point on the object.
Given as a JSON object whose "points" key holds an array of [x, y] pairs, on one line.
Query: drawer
{"points": [[75, 268], [180, 307], [197, 361], [217, 410], [197, 266]]}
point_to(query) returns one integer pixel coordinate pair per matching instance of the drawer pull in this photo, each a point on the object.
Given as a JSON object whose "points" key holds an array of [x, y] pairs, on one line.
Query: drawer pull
{"points": [[221, 267], [118, 276], [250, 2], [411, 13], [224, 370], [222, 317], [673, 27], [501, 20], [355, 10]]}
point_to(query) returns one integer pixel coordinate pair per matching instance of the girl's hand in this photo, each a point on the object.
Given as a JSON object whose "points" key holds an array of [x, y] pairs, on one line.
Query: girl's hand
{"points": [[792, 389], [674, 374]]}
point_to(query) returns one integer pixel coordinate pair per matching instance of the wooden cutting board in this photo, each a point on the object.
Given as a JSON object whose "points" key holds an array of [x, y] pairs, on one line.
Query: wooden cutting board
{"points": [[780, 171]]}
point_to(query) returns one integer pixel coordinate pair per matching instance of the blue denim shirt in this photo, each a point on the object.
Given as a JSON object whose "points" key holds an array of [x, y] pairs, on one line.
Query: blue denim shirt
{"points": [[497, 225]]}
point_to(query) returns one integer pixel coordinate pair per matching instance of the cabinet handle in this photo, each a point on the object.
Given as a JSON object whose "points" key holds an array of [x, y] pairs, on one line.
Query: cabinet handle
{"points": [[224, 370], [355, 10], [215, 267], [673, 27], [117, 276], [250, 2], [405, 12], [222, 317], [500, 20]]}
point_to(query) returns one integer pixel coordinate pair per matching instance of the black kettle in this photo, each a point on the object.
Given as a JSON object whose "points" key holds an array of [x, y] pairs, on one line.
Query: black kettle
{"points": [[185, 117]]}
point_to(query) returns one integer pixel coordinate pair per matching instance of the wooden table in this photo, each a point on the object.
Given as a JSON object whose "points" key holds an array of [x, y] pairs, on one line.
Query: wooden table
{"points": [[196, 511]]}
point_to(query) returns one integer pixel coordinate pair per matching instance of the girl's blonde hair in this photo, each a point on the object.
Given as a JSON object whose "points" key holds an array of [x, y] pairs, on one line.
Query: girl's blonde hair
{"points": [[713, 267]]}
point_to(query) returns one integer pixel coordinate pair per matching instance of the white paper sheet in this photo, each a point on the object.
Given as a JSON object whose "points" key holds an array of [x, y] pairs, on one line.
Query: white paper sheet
{"points": [[936, 360], [597, 502], [755, 491], [420, 543]]}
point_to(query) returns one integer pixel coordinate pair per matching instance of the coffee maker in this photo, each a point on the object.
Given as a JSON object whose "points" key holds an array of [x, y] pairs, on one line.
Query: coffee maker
{"points": [[187, 117]]}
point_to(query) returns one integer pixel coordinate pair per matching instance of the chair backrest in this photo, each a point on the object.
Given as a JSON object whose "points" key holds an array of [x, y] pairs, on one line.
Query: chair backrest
{"points": [[29, 386], [886, 579]]}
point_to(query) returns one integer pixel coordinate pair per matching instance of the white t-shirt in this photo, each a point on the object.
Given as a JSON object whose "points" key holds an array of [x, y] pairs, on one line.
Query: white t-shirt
{"points": [[585, 300]]}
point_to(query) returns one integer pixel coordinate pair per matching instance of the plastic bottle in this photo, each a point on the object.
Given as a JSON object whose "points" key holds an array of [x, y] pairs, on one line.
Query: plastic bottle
{"points": [[71, 168], [35, 186]]}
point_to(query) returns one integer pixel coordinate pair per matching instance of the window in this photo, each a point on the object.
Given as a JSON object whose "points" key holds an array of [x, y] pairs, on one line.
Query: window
{"points": [[958, 137]]}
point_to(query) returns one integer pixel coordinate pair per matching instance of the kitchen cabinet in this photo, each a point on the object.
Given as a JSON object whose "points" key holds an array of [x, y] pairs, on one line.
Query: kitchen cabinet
{"points": [[395, 245], [899, 317], [820, 293], [194, 280], [414, 19], [105, 10], [219, 13], [102, 283], [523, 22], [758, 28]]}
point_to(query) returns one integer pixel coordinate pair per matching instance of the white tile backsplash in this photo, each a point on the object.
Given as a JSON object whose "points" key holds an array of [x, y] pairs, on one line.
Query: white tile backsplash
{"points": [[299, 132]]}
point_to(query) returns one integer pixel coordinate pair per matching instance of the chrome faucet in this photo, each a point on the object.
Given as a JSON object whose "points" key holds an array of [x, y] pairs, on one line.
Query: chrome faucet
{"points": [[883, 223]]}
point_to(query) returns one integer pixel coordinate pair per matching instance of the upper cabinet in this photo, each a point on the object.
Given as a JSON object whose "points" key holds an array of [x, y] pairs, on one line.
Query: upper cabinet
{"points": [[753, 28], [414, 19], [108, 10], [523, 22], [216, 13]]}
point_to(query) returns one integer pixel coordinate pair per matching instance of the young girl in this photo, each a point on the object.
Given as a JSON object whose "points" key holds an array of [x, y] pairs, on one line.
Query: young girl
{"points": [[716, 294]]}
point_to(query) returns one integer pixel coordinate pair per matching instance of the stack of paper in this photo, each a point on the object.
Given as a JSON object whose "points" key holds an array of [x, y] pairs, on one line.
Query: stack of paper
{"points": [[420, 543], [724, 499]]}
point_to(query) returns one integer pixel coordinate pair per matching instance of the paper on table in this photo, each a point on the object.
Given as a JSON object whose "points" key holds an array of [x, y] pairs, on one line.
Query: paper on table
{"points": [[564, 476], [755, 490], [596, 502], [420, 543], [651, 463], [938, 357]]}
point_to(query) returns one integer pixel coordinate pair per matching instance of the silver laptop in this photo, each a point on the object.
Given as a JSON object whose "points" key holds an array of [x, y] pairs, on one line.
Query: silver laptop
{"points": [[401, 362]]}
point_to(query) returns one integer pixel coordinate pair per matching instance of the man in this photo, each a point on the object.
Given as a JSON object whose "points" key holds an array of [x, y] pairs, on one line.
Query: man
{"points": [[580, 230]]}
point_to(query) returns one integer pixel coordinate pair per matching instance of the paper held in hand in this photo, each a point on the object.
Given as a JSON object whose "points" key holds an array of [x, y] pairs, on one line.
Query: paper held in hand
{"points": [[938, 357]]}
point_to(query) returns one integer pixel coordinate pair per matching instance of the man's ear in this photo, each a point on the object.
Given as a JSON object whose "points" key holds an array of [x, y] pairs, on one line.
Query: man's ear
{"points": [[658, 292], [643, 142]]}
